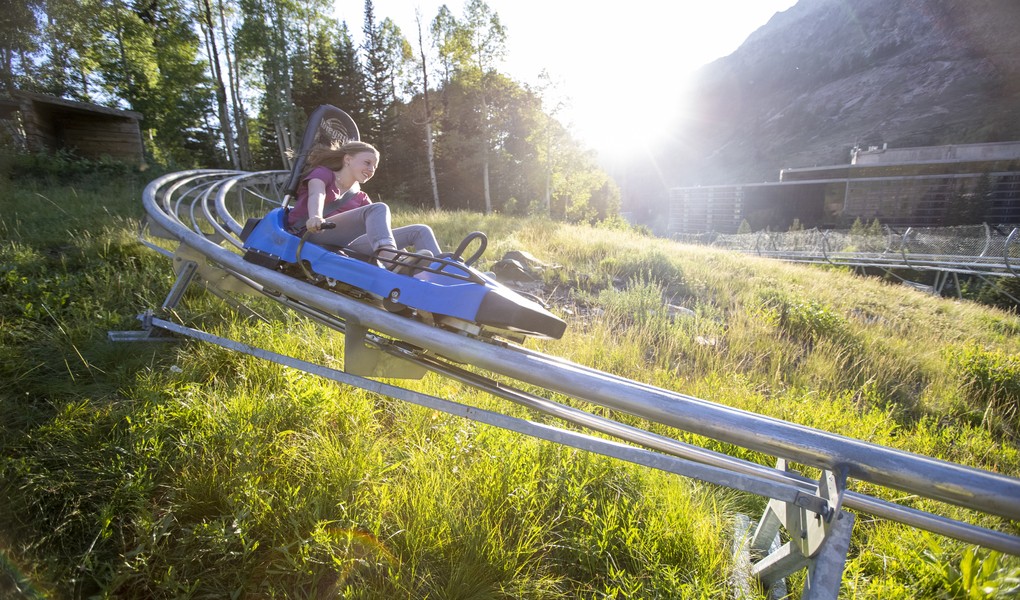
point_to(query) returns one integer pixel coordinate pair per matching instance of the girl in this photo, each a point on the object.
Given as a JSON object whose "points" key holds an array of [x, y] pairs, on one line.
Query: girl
{"points": [[330, 192]]}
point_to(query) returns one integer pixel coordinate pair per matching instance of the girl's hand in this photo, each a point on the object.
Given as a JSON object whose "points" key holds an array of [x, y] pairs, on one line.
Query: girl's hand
{"points": [[314, 224]]}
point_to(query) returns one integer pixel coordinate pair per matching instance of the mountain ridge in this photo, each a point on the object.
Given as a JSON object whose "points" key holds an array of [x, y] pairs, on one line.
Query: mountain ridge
{"points": [[826, 75]]}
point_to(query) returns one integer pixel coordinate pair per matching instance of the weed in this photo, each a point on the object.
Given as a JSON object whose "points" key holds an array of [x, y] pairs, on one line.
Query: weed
{"points": [[805, 320], [653, 266], [991, 381], [976, 575]]}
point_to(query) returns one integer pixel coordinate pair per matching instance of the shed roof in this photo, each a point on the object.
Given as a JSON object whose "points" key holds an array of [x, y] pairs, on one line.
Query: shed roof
{"points": [[48, 123], [75, 106]]}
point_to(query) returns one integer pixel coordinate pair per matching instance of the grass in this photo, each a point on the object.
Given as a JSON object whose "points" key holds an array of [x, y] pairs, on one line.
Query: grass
{"points": [[185, 470]]}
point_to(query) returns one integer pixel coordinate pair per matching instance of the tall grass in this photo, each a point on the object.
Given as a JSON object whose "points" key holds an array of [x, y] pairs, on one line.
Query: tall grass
{"points": [[185, 470]]}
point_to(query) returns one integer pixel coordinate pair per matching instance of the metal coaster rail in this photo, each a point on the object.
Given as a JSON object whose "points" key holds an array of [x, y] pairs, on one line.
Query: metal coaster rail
{"points": [[980, 251], [201, 211]]}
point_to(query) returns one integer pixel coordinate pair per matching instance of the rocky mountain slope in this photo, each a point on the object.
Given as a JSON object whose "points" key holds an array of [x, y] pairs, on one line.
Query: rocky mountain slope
{"points": [[828, 74]]}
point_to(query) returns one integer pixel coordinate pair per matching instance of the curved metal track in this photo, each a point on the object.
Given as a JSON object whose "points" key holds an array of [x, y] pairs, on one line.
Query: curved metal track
{"points": [[203, 212], [979, 251]]}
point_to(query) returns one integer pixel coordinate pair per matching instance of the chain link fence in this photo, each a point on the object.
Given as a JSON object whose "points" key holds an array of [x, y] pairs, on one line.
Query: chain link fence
{"points": [[982, 247]]}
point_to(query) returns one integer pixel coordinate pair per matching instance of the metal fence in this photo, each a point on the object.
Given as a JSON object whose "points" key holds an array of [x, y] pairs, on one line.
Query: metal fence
{"points": [[983, 250]]}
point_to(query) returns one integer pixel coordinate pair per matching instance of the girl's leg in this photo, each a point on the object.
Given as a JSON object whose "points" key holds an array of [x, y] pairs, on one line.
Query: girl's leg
{"points": [[419, 236], [379, 235], [364, 229]]}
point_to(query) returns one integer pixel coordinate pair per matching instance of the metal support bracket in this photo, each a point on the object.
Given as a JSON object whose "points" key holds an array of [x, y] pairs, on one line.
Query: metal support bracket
{"points": [[148, 333], [188, 262], [191, 266], [817, 541], [186, 270], [366, 361]]}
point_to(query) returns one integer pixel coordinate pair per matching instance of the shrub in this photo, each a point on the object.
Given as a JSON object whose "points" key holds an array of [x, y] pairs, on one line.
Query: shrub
{"points": [[64, 167], [991, 381], [807, 321], [640, 301], [653, 266], [978, 574]]}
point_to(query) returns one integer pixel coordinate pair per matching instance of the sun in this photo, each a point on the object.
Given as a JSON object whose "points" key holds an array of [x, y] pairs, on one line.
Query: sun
{"points": [[623, 123], [625, 73]]}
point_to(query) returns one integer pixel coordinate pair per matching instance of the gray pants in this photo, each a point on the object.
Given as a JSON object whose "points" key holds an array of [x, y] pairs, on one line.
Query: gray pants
{"points": [[367, 228]]}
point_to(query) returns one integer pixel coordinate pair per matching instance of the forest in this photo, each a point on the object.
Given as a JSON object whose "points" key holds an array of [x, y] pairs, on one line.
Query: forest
{"points": [[230, 83]]}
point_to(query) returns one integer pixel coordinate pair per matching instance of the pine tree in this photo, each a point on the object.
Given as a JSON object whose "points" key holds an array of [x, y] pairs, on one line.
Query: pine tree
{"points": [[334, 75], [385, 53], [858, 227], [377, 77], [350, 77]]}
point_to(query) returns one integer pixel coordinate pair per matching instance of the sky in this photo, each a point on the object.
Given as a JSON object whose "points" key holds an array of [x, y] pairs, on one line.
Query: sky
{"points": [[618, 67]]}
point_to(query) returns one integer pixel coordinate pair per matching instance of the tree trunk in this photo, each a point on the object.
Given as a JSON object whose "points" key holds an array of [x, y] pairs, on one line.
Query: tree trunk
{"points": [[282, 141], [548, 167], [429, 147], [485, 182], [221, 92], [548, 192], [240, 118], [8, 77], [290, 131], [485, 154], [430, 150]]}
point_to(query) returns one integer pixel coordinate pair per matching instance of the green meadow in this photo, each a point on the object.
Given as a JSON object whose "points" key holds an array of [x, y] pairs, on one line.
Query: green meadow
{"points": [[184, 470]]}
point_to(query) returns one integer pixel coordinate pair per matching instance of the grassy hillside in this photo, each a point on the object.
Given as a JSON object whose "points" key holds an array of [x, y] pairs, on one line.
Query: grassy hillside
{"points": [[184, 470]]}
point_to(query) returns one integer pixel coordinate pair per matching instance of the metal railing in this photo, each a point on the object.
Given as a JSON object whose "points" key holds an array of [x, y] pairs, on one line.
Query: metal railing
{"points": [[983, 250]]}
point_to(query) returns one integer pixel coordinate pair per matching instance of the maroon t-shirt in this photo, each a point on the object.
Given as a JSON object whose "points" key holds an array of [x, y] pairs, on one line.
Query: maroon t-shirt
{"points": [[298, 214]]}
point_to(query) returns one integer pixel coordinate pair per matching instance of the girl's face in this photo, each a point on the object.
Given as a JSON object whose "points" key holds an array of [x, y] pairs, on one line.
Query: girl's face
{"points": [[362, 165]]}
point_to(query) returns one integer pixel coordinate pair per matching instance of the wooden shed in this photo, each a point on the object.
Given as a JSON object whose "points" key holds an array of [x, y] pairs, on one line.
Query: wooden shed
{"points": [[89, 130]]}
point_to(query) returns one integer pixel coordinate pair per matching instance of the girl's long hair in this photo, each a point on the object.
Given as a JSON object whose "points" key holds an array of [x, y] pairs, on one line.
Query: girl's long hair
{"points": [[332, 157]]}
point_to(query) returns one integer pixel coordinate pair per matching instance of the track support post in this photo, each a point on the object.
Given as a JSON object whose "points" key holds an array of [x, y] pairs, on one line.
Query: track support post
{"points": [[149, 333], [365, 361], [191, 267], [185, 270], [817, 542]]}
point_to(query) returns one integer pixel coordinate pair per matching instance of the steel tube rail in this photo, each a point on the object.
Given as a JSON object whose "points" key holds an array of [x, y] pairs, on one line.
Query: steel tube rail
{"points": [[940, 480], [887, 510], [971, 265], [979, 261], [1005, 250], [761, 480], [973, 268], [220, 203], [783, 490], [923, 520]]}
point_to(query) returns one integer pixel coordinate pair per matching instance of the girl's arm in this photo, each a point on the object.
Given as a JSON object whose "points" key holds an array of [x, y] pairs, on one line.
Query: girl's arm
{"points": [[316, 201]]}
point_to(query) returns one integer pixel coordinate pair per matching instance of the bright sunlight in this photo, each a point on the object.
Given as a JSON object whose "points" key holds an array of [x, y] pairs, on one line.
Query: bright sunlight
{"points": [[618, 74]]}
